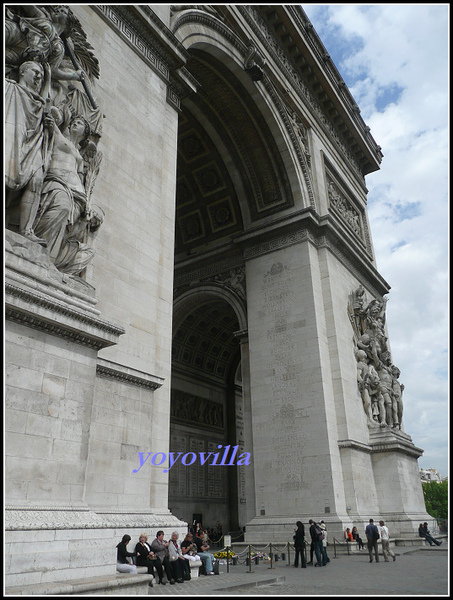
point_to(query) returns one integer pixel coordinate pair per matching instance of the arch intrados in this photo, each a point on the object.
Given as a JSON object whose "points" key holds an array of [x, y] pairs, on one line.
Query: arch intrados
{"points": [[207, 33], [192, 299]]}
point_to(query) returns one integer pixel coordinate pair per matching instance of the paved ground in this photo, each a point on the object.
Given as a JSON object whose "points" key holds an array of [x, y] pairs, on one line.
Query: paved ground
{"points": [[415, 572]]}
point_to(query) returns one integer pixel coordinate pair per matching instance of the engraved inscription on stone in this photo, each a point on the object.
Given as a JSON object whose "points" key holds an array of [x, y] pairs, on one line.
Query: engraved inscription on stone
{"points": [[288, 442], [278, 303], [194, 479]]}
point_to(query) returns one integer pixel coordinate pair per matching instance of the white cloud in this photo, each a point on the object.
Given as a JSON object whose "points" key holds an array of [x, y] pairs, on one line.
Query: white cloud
{"points": [[394, 59]]}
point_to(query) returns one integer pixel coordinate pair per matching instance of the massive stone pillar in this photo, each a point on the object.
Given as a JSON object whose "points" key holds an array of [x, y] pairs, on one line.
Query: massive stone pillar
{"points": [[88, 318], [315, 455]]}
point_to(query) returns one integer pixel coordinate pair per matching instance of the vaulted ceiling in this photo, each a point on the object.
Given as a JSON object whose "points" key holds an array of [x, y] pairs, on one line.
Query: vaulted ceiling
{"points": [[229, 165]]}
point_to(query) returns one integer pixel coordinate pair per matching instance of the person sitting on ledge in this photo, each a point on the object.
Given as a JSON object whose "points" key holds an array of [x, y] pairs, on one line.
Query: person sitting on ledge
{"points": [[179, 565], [189, 548], [160, 548], [202, 551], [122, 555], [147, 558], [423, 532], [356, 537]]}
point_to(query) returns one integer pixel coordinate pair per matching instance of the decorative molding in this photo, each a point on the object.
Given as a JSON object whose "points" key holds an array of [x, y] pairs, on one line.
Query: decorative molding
{"points": [[277, 242], [26, 518], [294, 128], [289, 69], [112, 370], [333, 75], [354, 445], [206, 272], [346, 206], [323, 232], [384, 440], [205, 19], [154, 43], [194, 410], [45, 313]]}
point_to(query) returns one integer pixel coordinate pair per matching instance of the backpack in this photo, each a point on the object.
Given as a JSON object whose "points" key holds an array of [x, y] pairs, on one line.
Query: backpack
{"points": [[376, 535], [319, 533]]}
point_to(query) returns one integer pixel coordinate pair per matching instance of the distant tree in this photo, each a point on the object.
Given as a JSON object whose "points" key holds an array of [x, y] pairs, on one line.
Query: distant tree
{"points": [[436, 498]]}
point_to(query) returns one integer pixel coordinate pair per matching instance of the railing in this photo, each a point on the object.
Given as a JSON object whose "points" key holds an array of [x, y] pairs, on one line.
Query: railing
{"points": [[253, 554], [273, 552]]}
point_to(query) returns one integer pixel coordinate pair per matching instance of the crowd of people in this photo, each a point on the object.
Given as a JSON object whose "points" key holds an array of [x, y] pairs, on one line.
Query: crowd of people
{"points": [[171, 557], [318, 544], [373, 533]]}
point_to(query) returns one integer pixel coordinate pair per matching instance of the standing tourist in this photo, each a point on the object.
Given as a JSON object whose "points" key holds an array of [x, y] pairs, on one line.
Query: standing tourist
{"points": [[322, 525], [384, 533], [372, 536], [316, 537], [299, 545]]}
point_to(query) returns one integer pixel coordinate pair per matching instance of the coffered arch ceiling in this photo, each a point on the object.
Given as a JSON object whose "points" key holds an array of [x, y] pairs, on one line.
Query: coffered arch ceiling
{"points": [[204, 341], [230, 172]]}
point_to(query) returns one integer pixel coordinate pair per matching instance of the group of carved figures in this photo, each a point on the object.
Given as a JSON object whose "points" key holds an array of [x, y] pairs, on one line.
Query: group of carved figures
{"points": [[377, 377], [52, 128]]}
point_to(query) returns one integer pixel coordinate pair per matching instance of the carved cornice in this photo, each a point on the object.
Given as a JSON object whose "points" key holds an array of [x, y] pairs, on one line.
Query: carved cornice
{"points": [[111, 370], [392, 440], [205, 19], [209, 270], [333, 75], [154, 43], [26, 518], [285, 62], [45, 313], [384, 440], [323, 232]]}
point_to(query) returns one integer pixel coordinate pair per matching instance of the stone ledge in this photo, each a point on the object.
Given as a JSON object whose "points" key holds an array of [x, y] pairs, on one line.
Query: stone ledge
{"points": [[110, 369], [101, 585]]}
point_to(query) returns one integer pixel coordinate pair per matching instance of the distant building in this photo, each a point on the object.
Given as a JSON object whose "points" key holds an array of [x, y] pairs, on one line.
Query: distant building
{"points": [[428, 475]]}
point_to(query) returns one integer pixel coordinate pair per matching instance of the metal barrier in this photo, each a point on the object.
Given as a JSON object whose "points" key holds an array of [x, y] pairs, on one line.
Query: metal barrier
{"points": [[256, 554]]}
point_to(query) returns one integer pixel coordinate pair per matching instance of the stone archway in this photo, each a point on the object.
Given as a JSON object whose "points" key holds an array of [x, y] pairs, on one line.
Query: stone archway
{"points": [[206, 394], [231, 174]]}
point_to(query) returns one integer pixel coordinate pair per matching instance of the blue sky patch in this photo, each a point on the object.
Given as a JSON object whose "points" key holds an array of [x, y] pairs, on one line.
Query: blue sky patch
{"points": [[405, 212], [388, 95]]}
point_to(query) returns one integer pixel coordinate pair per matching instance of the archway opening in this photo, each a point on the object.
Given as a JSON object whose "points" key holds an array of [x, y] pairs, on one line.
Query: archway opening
{"points": [[205, 386]]}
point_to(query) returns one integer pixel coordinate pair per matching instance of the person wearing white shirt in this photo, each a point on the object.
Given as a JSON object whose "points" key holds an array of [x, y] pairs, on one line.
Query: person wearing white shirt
{"points": [[384, 533]]}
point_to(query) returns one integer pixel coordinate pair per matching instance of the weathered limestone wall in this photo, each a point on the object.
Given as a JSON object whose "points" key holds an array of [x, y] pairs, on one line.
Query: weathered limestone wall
{"points": [[133, 271], [290, 367], [77, 416], [48, 405]]}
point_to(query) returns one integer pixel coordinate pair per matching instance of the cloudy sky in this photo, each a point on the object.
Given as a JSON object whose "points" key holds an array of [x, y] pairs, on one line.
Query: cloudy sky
{"points": [[394, 59]]}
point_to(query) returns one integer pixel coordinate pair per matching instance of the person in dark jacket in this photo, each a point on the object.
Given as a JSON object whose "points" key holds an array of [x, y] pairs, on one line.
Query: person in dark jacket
{"points": [[122, 564], [423, 532], [299, 545], [356, 537], [317, 543], [147, 558], [372, 536]]}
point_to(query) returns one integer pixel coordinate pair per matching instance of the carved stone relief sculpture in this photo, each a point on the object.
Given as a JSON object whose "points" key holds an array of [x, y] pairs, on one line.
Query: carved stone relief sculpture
{"points": [[344, 208], [52, 129], [377, 377]]}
